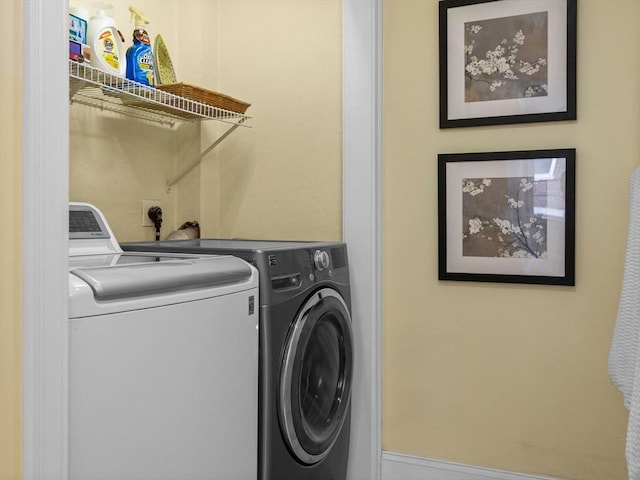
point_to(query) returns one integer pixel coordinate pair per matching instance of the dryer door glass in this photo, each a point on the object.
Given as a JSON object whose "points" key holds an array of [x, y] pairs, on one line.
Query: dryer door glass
{"points": [[316, 376]]}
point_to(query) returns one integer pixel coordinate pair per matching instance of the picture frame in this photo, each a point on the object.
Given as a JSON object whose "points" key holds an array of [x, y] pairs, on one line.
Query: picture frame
{"points": [[507, 61], [507, 217]]}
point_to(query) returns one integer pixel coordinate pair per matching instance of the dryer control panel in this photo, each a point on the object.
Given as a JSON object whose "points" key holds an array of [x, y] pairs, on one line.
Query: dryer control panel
{"points": [[321, 259]]}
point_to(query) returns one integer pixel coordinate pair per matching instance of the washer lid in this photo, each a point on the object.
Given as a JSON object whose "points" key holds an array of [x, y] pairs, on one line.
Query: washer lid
{"points": [[138, 279]]}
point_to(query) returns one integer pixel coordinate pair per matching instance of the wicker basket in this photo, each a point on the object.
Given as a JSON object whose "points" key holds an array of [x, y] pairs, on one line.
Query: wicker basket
{"points": [[207, 97]]}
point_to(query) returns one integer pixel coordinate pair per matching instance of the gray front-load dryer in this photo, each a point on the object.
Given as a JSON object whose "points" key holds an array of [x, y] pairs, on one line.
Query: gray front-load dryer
{"points": [[306, 352]]}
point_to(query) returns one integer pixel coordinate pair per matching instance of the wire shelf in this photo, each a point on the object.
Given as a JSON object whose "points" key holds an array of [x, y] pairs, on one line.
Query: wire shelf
{"points": [[93, 87]]}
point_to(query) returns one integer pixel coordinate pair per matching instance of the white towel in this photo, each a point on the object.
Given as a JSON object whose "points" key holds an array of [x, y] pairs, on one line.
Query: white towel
{"points": [[624, 361]]}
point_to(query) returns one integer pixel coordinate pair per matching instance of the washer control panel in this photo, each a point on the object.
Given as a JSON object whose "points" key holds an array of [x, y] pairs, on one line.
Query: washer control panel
{"points": [[85, 222]]}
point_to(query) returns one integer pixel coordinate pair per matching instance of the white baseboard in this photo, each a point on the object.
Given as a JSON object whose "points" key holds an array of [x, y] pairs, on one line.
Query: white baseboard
{"points": [[396, 466]]}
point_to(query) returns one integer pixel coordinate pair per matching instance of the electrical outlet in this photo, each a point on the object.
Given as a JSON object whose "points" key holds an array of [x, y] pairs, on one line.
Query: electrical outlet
{"points": [[146, 205]]}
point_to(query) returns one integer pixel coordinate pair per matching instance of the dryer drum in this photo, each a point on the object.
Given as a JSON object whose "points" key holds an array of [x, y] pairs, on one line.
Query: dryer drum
{"points": [[316, 376]]}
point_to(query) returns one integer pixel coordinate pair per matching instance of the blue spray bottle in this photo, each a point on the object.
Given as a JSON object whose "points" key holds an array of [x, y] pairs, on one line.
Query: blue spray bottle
{"points": [[139, 55]]}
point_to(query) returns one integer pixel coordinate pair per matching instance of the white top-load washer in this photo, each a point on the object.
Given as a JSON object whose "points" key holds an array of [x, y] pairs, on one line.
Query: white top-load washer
{"points": [[163, 353]]}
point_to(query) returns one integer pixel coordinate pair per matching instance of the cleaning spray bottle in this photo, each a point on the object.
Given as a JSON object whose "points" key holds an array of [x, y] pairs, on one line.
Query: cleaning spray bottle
{"points": [[139, 55], [106, 44]]}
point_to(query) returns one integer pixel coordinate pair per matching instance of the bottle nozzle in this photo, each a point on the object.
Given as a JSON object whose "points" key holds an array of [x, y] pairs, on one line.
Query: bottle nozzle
{"points": [[138, 17]]}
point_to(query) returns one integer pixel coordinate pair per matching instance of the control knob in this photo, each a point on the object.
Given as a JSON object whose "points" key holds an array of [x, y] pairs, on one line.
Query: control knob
{"points": [[321, 259]]}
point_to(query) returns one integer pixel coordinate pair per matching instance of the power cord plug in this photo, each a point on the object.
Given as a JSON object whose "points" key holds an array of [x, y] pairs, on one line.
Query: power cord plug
{"points": [[155, 215]]}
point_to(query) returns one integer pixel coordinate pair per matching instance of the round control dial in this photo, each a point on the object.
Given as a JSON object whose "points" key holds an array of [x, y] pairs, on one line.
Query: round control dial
{"points": [[321, 259]]}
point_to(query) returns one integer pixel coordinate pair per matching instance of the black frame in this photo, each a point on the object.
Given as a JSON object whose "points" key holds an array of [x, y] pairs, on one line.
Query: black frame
{"points": [[513, 114], [556, 266]]}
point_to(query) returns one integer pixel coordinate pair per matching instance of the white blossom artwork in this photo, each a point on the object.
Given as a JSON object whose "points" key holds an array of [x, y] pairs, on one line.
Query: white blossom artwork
{"points": [[500, 220], [506, 58], [507, 216]]}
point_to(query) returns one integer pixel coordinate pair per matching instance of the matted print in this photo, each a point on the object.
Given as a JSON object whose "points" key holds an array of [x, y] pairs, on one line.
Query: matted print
{"points": [[507, 61], [507, 216]]}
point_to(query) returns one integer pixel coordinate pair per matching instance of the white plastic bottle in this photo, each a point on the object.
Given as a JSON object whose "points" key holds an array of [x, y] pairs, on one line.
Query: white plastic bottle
{"points": [[107, 48]]}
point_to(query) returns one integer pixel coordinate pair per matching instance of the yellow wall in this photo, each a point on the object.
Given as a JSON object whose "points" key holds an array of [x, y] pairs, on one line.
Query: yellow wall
{"points": [[279, 179], [11, 241], [506, 376], [283, 178]]}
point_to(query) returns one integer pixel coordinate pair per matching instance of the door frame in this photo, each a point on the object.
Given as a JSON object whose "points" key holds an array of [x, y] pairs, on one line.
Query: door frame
{"points": [[362, 225], [45, 233], [45, 240]]}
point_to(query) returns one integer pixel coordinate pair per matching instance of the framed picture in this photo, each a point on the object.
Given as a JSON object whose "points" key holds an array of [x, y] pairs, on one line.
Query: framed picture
{"points": [[507, 61], [507, 216]]}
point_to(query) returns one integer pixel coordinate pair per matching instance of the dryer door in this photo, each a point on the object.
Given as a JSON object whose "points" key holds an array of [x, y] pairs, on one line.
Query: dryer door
{"points": [[316, 376]]}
